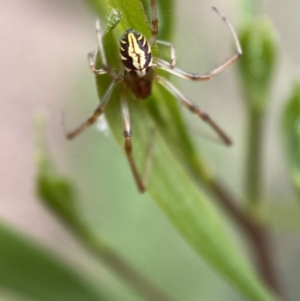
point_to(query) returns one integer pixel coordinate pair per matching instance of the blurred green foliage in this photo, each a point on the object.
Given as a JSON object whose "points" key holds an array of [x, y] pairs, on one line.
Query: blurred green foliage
{"points": [[291, 134], [259, 43]]}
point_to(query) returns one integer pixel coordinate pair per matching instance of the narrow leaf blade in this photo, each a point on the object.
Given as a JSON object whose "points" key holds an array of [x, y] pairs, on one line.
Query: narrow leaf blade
{"points": [[33, 273]]}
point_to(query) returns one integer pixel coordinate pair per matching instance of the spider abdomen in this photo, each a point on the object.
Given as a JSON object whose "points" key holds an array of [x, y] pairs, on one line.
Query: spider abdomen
{"points": [[135, 53]]}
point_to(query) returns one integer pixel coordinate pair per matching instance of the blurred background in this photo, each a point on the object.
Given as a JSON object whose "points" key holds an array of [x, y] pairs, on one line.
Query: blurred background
{"points": [[43, 67]]}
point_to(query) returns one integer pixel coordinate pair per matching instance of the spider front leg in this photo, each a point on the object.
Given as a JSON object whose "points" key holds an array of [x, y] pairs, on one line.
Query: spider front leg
{"points": [[92, 57], [172, 52], [193, 108], [154, 33], [154, 22], [92, 64], [141, 181], [196, 77]]}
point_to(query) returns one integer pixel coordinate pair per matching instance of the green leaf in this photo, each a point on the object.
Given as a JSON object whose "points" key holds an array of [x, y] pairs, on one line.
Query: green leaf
{"points": [[170, 186], [189, 211], [32, 273], [291, 134]]}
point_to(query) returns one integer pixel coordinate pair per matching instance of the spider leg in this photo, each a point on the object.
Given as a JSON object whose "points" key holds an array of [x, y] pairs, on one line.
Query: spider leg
{"points": [[193, 108], [141, 181], [92, 58], [154, 21], [154, 33], [92, 63], [172, 52], [196, 77], [99, 110]]}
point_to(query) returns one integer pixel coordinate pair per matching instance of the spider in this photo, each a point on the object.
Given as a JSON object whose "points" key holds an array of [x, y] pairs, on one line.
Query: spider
{"points": [[137, 74]]}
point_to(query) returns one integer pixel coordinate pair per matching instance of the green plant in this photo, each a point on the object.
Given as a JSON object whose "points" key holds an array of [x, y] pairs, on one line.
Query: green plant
{"points": [[185, 192]]}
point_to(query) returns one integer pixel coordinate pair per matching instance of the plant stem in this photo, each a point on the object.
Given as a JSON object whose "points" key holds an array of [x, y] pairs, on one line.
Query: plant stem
{"points": [[253, 158], [259, 237]]}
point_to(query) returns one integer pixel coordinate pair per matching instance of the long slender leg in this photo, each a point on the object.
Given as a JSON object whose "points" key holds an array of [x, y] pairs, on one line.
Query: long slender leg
{"points": [[99, 110], [141, 181], [92, 59], [172, 52], [154, 21], [196, 77], [193, 108], [92, 62]]}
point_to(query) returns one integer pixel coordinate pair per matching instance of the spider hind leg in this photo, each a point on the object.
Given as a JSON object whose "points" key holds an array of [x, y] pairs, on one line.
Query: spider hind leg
{"points": [[193, 108], [140, 180], [99, 110]]}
